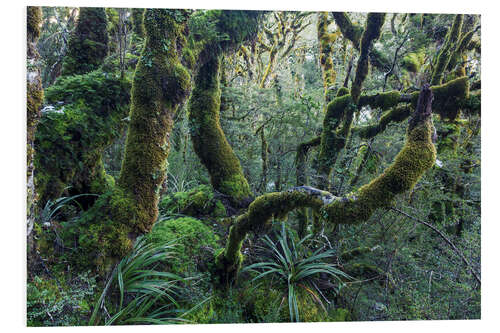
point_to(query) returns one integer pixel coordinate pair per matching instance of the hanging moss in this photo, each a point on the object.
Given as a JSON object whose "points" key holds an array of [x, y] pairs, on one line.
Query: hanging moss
{"points": [[209, 141], [161, 84], [88, 44], [88, 116]]}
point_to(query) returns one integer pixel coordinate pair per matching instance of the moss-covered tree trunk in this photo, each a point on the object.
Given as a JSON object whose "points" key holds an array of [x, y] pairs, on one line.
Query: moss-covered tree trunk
{"points": [[161, 84], [209, 141], [88, 44], [34, 99]]}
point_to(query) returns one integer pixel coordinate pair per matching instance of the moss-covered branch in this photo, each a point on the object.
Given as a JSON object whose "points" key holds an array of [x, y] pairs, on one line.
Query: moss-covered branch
{"points": [[446, 51], [374, 23], [396, 114], [326, 40], [354, 32], [417, 155]]}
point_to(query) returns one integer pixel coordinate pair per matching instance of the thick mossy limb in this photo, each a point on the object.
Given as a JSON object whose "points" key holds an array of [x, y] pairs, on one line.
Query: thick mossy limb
{"points": [[88, 44], [209, 141], [161, 83], [374, 23], [349, 30], [396, 114], [417, 155], [446, 51], [332, 140], [354, 32]]}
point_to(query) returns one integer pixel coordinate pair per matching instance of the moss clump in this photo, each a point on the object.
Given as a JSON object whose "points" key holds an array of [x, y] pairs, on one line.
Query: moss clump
{"points": [[199, 201], [195, 244], [105, 232], [413, 61], [161, 83], [209, 141], [70, 141], [88, 44]]}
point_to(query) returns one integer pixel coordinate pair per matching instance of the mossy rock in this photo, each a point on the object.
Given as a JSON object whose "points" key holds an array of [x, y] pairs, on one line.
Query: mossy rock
{"points": [[195, 244], [199, 201]]}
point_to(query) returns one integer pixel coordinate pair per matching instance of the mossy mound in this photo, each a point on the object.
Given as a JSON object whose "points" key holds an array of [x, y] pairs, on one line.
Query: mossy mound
{"points": [[199, 201], [86, 116], [195, 244]]}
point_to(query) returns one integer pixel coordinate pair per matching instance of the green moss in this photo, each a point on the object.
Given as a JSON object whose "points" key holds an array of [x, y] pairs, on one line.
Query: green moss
{"points": [[333, 140], [195, 244], [70, 142], [384, 100], [374, 22], [326, 55], [34, 21], [88, 44], [197, 202], [161, 84], [397, 114], [351, 31], [209, 141], [413, 61], [446, 51]]}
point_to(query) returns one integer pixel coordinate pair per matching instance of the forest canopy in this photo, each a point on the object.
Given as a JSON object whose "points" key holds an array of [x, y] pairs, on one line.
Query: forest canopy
{"points": [[238, 166]]}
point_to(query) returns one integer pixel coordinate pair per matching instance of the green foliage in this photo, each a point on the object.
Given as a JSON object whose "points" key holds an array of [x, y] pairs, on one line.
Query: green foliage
{"points": [[143, 295], [296, 270], [50, 304]]}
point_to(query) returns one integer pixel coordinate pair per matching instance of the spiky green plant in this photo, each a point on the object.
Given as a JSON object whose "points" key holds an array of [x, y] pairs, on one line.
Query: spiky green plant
{"points": [[143, 294], [290, 263]]}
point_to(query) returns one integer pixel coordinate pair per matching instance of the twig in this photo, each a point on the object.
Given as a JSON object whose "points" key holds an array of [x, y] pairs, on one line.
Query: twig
{"points": [[457, 251]]}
